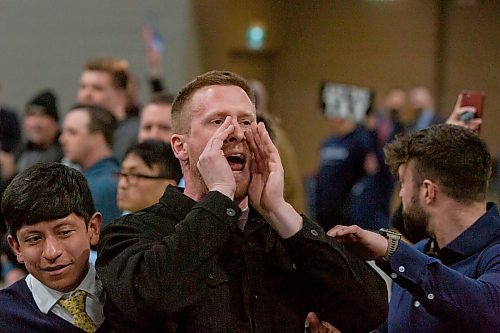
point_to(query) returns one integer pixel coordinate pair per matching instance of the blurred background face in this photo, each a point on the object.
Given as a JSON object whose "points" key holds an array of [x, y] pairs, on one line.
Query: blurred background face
{"points": [[75, 138], [156, 123], [420, 98], [395, 100], [40, 129], [339, 126], [96, 88], [134, 192]]}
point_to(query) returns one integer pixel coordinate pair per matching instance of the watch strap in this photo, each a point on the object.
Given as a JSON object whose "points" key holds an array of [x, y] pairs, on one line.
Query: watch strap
{"points": [[393, 242]]}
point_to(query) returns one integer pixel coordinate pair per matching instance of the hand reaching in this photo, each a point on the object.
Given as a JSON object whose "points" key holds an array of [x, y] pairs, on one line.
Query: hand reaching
{"points": [[367, 245]]}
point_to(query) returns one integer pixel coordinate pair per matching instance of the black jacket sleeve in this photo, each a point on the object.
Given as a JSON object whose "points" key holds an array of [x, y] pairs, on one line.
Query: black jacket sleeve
{"points": [[344, 290]]}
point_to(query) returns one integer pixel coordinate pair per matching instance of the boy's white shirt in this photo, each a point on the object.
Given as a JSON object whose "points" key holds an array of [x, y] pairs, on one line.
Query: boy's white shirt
{"points": [[46, 298]]}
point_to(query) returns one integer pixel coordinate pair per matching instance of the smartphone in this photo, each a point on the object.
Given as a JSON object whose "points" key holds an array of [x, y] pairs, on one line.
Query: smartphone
{"points": [[475, 99]]}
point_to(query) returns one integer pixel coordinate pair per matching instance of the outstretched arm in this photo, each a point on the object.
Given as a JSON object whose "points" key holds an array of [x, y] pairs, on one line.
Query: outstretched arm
{"points": [[446, 293], [365, 244]]}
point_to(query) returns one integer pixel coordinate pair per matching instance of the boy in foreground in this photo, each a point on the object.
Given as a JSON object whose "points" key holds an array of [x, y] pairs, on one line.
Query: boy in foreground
{"points": [[52, 224]]}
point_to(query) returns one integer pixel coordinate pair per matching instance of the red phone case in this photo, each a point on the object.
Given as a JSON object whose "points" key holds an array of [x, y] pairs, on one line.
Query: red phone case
{"points": [[475, 99]]}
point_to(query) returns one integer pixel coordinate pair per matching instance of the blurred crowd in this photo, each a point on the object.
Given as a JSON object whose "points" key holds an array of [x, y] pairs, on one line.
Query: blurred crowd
{"points": [[122, 147]]}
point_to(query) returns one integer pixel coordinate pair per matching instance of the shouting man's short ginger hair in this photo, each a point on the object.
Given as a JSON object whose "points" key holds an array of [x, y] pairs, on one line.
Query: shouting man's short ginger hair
{"points": [[181, 118]]}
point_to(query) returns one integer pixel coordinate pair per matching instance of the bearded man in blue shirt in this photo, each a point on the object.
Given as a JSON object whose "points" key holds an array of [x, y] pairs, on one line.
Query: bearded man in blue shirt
{"points": [[451, 281]]}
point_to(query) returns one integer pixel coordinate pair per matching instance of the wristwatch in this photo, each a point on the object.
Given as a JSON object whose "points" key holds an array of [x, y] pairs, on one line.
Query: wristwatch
{"points": [[394, 238]]}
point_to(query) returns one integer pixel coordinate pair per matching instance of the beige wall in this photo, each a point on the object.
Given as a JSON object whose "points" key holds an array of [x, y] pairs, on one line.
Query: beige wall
{"points": [[472, 54], [354, 42], [44, 44], [372, 43]]}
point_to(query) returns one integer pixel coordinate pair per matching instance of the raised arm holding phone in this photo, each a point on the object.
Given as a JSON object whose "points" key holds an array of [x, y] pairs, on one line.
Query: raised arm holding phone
{"points": [[468, 110]]}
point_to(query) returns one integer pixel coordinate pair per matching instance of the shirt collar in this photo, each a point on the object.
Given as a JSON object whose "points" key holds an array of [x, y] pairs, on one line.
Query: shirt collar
{"points": [[45, 297], [183, 204], [483, 232]]}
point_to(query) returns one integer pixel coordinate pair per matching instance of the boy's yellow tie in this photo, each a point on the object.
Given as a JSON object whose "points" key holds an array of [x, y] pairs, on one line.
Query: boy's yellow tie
{"points": [[75, 305]]}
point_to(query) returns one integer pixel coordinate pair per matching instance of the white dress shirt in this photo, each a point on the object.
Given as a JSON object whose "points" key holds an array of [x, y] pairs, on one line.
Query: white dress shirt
{"points": [[46, 298]]}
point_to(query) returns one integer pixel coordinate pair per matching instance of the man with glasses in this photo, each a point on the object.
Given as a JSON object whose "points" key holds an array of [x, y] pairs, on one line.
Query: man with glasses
{"points": [[146, 171]]}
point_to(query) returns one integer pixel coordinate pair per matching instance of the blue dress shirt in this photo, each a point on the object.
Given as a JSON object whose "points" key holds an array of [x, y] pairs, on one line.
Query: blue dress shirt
{"points": [[453, 289]]}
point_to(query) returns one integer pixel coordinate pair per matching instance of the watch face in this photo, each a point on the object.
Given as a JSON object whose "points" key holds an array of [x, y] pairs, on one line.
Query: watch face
{"points": [[389, 233]]}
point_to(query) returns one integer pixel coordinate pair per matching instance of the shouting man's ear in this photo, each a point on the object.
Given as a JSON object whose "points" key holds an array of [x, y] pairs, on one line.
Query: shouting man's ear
{"points": [[179, 147]]}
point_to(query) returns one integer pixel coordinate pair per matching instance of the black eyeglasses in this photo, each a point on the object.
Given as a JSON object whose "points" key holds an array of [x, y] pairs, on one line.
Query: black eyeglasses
{"points": [[133, 178]]}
